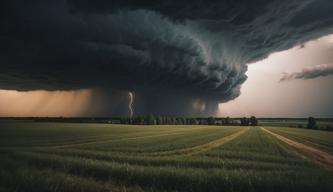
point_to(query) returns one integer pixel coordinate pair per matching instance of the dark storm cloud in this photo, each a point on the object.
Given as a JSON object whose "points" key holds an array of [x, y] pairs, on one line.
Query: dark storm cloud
{"points": [[194, 50], [310, 72]]}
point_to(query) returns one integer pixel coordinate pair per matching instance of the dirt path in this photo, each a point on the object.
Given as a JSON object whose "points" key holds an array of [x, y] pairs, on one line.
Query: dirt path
{"points": [[199, 148], [316, 155]]}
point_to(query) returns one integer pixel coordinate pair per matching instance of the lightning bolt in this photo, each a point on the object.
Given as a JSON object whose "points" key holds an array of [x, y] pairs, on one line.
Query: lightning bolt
{"points": [[130, 103]]}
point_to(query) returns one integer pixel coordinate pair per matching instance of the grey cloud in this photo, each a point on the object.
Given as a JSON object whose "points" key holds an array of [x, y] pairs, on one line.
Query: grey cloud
{"points": [[161, 50], [310, 72]]}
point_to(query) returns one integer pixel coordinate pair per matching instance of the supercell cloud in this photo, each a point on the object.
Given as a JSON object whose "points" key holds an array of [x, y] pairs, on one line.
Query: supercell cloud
{"points": [[178, 57]]}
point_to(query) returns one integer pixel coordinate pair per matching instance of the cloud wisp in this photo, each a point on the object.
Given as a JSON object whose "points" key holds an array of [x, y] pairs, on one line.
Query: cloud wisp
{"points": [[310, 72]]}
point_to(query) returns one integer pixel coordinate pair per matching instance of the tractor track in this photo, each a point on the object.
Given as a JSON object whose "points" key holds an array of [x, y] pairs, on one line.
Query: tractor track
{"points": [[199, 148], [317, 156]]}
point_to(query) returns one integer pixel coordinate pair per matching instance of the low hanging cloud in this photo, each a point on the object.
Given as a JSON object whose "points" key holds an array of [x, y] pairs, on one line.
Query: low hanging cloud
{"points": [[310, 72], [169, 53]]}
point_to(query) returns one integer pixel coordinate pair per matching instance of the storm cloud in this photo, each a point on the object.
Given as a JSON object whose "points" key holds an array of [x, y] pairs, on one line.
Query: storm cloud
{"points": [[171, 54], [310, 72]]}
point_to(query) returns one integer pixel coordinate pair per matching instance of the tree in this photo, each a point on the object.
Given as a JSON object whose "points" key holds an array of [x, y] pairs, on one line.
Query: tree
{"points": [[168, 120], [125, 120], [211, 121], [140, 120], [150, 119], [253, 121], [192, 121], [245, 121], [164, 120], [180, 121], [312, 123], [226, 121], [183, 121], [160, 120], [173, 120]]}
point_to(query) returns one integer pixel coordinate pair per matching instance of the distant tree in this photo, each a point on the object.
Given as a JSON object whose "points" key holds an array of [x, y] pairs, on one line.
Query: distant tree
{"points": [[227, 121], [253, 121], [174, 120], [218, 121], [312, 124], [184, 121], [242, 121], [245, 121], [159, 120], [164, 120], [125, 120], [188, 121], [211, 121], [192, 121], [140, 120], [179, 121], [168, 121], [150, 119]]}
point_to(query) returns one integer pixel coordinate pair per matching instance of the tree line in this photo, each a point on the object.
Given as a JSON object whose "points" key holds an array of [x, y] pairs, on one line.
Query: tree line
{"points": [[151, 119], [311, 123]]}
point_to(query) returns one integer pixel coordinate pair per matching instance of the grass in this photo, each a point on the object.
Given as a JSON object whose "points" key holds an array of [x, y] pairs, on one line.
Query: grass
{"points": [[103, 157]]}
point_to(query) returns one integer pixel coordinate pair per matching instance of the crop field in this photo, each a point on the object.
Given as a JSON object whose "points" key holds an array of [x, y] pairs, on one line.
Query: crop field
{"points": [[52, 157]]}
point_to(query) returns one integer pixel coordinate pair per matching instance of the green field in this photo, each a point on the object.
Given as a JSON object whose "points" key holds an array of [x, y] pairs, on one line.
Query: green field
{"points": [[103, 157]]}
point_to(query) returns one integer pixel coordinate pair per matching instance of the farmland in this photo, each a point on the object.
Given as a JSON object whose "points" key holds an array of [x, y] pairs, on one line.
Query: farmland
{"points": [[103, 157]]}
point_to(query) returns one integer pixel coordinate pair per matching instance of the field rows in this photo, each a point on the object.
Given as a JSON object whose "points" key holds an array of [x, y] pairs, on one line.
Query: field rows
{"points": [[156, 158], [321, 139]]}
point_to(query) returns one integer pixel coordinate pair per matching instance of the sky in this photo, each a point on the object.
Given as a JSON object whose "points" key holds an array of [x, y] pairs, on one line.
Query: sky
{"points": [[289, 98], [44, 103], [179, 58]]}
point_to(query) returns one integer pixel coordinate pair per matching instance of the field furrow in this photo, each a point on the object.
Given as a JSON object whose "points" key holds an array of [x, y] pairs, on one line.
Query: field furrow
{"points": [[200, 148], [314, 154], [318, 139]]}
